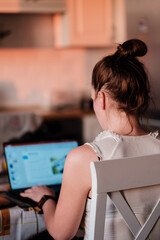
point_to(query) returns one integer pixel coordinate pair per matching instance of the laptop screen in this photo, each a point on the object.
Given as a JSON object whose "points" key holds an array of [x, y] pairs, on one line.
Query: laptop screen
{"points": [[36, 163]]}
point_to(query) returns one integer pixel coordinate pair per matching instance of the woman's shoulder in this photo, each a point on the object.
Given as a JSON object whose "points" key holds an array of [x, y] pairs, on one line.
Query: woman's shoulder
{"points": [[77, 165], [82, 154]]}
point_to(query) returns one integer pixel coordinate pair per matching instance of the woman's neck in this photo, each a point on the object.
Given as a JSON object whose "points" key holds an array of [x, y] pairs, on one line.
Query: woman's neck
{"points": [[123, 124]]}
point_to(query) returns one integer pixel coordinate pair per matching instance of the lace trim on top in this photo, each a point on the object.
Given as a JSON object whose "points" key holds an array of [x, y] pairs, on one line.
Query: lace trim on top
{"points": [[102, 135], [154, 134], [118, 137]]}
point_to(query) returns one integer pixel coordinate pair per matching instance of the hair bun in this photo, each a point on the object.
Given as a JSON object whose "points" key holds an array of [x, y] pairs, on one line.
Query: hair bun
{"points": [[132, 48]]}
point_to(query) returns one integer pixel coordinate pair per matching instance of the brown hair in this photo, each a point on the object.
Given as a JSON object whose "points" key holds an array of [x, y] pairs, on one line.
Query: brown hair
{"points": [[124, 78]]}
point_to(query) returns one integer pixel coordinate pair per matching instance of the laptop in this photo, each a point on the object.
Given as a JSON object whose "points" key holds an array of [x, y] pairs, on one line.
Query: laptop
{"points": [[31, 164]]}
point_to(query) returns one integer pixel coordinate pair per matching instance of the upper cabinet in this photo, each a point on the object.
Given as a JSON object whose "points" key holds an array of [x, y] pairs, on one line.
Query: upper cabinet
{"points": [[86, 23], [64, 23], [32, 6]]}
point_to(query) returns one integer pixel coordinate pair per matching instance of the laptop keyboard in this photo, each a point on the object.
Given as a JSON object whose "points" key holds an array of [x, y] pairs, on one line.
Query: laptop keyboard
{"points": [[19, 200]]}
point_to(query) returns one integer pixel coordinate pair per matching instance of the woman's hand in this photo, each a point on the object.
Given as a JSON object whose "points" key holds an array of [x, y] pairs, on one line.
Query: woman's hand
{"points": [[37, 192]]}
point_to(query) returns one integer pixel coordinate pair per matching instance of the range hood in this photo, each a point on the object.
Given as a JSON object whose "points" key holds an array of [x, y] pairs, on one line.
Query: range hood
{"points": [[32, 6], [26, 30]]}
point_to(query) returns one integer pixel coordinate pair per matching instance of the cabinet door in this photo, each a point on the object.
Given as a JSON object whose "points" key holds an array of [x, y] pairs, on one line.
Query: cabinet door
{"points": [[88, 23], [52, 6], [29, 6]]}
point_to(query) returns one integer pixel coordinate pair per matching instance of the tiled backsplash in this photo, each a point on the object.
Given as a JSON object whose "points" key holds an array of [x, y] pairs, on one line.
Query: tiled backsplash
{"points": [[36, 76], [45, 76]]}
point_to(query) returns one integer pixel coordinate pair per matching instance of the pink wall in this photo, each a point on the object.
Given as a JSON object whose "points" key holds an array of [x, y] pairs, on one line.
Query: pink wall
{"points": [[46, 76], [29, 76]]}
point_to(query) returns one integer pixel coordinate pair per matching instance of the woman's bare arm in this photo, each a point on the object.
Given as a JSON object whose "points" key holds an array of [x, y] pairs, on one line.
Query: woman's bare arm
{"points": [[62, 220]]}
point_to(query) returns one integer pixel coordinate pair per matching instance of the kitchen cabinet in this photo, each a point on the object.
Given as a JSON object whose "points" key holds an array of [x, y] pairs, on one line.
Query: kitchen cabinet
{"points": [[32, 6], [85, 23]]}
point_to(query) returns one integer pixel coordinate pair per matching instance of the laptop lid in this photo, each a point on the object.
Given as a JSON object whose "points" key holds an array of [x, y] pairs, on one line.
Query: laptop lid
{"points": [[36, 163]]}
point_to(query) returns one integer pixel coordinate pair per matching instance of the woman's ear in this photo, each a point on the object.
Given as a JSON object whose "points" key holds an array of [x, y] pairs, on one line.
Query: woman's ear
{"points": [[102, 100]]}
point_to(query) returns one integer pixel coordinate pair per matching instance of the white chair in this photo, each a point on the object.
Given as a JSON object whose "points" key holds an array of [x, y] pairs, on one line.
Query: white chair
{"points": [[118, 175]]}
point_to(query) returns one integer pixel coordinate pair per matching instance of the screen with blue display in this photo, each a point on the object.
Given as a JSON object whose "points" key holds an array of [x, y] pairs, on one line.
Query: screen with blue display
{"points": [[36, 163]]}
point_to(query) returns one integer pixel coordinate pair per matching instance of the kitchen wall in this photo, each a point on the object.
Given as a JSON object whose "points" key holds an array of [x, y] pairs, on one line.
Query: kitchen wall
{"points": [[38, 76], [34, 72], [46, 76], [143, 20]]}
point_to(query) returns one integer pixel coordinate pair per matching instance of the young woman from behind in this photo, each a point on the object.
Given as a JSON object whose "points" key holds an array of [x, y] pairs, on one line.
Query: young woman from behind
{"points": [[121, 95]]}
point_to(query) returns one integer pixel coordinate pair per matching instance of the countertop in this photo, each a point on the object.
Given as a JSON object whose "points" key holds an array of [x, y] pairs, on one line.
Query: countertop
{"points": [[72, 113], [48, 113]]}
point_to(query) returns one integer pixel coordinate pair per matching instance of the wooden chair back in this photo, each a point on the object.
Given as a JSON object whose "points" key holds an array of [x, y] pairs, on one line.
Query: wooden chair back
{"points": [[114, 176]]}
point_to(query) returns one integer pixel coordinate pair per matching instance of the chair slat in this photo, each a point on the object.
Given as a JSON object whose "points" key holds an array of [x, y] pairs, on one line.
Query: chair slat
{"points": [[150, 222], [115, 172], [126, 212]]}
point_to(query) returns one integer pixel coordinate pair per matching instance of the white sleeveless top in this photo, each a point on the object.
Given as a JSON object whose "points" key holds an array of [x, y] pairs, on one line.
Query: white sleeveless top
{"points": [[109, 145]]}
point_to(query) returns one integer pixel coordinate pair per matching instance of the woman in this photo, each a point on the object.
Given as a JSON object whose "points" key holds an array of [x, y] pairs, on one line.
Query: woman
{"points": [[120, 93]]}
